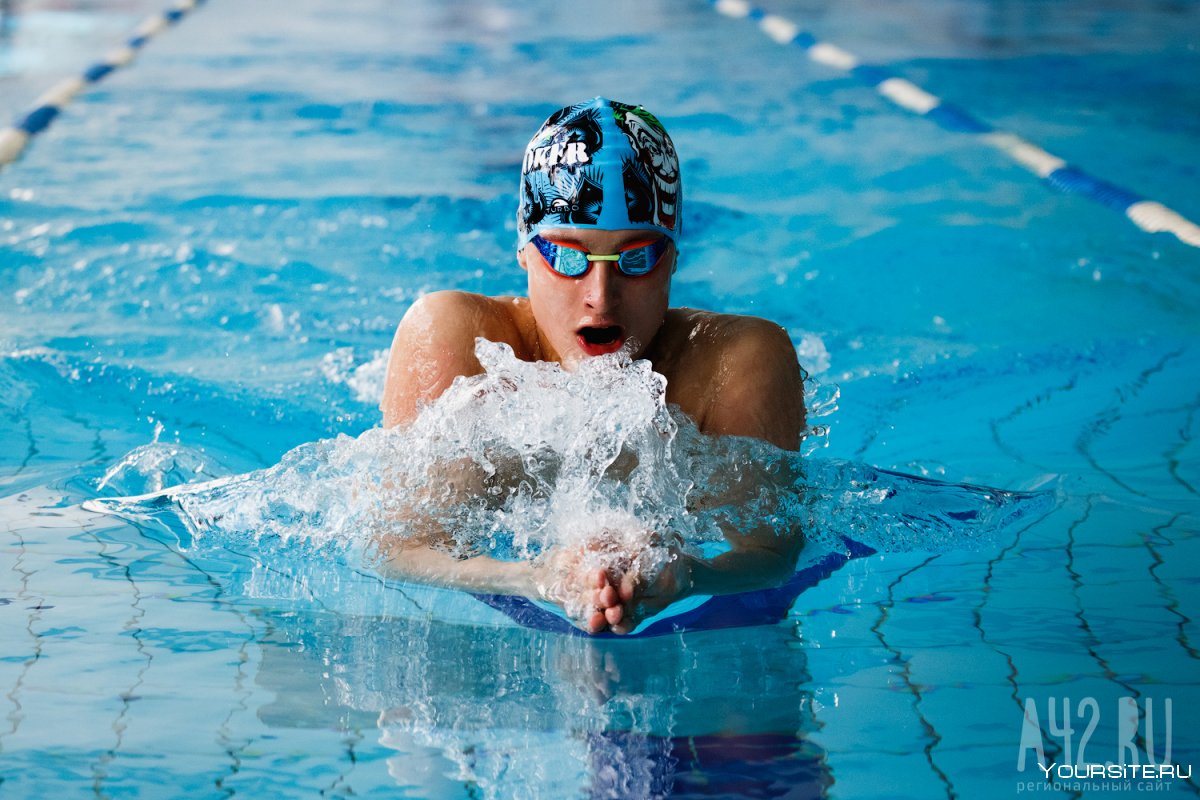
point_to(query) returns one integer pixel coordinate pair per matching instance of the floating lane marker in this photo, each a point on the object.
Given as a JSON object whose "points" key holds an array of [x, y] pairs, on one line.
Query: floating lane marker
{"points": [[1148, 215], [15, 138]]}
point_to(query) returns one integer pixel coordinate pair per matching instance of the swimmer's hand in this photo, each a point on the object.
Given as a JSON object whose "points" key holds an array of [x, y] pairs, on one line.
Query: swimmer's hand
{"points": [[759, 560], [570, 578], [625, 600], [622, 574]]}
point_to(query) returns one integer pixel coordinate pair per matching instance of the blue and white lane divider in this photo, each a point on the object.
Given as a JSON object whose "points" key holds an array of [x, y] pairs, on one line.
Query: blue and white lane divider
{"points": [[16, 137], [1148, 215]]}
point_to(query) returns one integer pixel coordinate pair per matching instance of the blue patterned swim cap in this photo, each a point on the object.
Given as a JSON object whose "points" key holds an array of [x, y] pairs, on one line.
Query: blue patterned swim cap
{"points": [[599, 164]]}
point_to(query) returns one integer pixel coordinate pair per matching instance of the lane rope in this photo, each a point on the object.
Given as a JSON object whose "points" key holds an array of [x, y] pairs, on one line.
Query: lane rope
{"points": [[15, 138], [1150, 216]]}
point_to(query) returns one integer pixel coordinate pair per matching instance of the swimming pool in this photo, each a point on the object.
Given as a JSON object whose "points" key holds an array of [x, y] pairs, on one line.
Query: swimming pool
{"points": [[204, 257]]}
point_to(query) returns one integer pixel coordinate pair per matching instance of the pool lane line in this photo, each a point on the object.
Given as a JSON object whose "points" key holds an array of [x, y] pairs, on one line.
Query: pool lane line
{"points": [[15, 138], [1150, 216]]}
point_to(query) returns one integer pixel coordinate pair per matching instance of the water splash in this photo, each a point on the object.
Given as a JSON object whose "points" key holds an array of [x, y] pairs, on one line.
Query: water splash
{"points": [[528, 458], [364, 380]]}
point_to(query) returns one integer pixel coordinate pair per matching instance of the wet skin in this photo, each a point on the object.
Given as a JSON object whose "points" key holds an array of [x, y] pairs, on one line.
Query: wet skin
{"points": [[734, 375], [603, 309]]}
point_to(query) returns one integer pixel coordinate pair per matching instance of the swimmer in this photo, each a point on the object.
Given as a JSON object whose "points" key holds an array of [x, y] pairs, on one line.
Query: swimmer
{"points": [[598, 232]]}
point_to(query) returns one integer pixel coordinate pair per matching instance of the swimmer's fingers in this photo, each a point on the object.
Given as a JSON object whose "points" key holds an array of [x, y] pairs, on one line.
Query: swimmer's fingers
{"points": [[605, 595], [597, 622], [613, 615], [606, 603], [621, 614], [640, 600], [626, 616], [630, 584], [608, 597], [633, 614], [599, 581]]}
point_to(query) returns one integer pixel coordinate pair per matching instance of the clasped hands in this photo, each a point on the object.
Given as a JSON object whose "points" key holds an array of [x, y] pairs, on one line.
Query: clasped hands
{"points": [[603, 585]]}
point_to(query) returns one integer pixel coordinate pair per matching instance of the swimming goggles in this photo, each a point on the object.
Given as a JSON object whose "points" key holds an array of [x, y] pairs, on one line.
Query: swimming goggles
{"points": [[574, 262]]}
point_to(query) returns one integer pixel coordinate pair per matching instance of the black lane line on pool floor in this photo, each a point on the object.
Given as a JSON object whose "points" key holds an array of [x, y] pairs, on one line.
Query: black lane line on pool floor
{"points": [[15, 138], [1149, 215]]}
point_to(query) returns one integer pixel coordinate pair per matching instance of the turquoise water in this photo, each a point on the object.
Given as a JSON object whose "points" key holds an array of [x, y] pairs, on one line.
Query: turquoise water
{"points": [[201, 265]]}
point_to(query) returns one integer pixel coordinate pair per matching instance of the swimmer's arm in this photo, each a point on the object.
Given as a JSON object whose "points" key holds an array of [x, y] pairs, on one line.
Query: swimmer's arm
{"points": [[419, 562], [421, 552], [560, 579], [758, 386], [762, 560], [753, 563], [757, 391], [433, 345]]}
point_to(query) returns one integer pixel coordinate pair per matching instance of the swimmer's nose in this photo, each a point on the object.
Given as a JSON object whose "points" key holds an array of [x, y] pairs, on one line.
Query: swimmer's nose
{"points": [[600, 287]]}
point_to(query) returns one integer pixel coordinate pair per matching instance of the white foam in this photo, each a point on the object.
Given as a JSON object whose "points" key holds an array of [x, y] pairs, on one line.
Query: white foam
{"points": [[366, 380], [813, 354], [522, 458], [529, 461]]}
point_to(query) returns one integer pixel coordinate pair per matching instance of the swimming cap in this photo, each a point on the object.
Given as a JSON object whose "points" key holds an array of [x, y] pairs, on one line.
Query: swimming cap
{"points": [[599, 164]]}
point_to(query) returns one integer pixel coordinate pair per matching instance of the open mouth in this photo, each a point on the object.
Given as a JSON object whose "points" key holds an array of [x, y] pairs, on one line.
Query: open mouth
{"points": [[597, 341]]}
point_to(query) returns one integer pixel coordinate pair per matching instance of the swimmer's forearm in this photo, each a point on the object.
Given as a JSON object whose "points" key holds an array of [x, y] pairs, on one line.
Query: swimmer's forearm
{"points": [[741, 570], [479, 574]]}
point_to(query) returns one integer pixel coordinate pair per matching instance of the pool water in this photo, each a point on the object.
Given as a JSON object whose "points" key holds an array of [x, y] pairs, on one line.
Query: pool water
{"points": [[202, 262]]}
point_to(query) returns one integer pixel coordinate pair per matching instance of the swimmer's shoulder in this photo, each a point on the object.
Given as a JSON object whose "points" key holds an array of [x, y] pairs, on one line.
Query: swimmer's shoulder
{"points": [[734, 374], [435, 343], [700, 338], [457, 318]]}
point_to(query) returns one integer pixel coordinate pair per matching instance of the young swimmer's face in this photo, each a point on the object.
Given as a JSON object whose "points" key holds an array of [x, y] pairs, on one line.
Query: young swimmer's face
{"points": [[602, 310]]}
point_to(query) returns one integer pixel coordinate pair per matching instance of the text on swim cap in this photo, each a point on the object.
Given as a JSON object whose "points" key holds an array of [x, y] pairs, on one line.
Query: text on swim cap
{"points": [[568, 154]]}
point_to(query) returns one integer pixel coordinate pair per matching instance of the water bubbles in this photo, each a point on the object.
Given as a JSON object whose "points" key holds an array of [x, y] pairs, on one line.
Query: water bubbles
{"points": [[591, 468], [275, 319], [365, 380], [152, 466]]}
